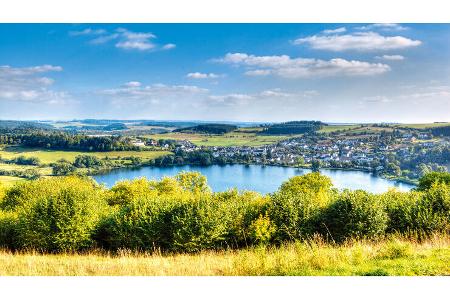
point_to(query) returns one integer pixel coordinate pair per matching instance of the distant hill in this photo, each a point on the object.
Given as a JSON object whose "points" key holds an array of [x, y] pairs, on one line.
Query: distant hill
{"points": [[209, 128], [294, 127], [23, 125]]}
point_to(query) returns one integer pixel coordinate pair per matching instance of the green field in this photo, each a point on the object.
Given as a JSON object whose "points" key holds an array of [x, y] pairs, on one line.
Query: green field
{"points": [[235, 138], [333, 128], [395, 257], [422, 125], [50, 156], [9, 180]]}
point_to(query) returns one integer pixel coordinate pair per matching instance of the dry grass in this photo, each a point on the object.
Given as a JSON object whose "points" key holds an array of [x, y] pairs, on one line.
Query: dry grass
{"points": [[391, 257]]}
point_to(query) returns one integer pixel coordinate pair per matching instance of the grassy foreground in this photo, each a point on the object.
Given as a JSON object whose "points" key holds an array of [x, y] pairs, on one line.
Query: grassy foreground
{"points": [[391, 257]]}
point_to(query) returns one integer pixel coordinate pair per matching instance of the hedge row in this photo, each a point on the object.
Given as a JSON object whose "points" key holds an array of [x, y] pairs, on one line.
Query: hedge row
{"points": [[181, 214]]}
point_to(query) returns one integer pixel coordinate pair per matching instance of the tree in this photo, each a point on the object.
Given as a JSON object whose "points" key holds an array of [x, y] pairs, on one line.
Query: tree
{"points": [[315, 165], [62, 169], [433, 177], [300, 161]]}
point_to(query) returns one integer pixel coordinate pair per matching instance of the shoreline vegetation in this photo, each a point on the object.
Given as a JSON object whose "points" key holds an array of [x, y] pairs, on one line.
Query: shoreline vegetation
{"points": [[62, 224]]}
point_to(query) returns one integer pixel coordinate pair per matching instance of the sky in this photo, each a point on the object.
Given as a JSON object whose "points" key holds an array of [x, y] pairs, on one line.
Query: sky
{"points": [[344, 73]]}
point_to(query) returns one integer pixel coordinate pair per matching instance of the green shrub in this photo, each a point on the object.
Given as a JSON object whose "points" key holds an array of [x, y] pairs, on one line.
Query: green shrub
{"points": [[173, 214], [355, 214], [58, 214], [126, 191], [298, 203], [401, 208], [427, 181], [419, 213], [8, 225], [2, 192], [262, 230], [239, 211]]}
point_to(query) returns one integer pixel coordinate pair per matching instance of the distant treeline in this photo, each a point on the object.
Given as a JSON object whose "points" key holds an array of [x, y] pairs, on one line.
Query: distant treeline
{"points": [[444, 130], [294, 127], [18, 125], [209, 128], [110, 127], [66, 141]]}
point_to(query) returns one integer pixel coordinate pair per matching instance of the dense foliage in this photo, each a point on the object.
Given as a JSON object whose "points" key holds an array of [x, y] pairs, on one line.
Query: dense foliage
{"points": [[182, 214], [294, 127], [65, 140], [209, 128], [442, 130]]}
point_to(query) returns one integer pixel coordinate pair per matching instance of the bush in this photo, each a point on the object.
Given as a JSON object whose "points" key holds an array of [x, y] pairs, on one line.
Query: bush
{"points": [[427, 181], [8, 225], [298, 203], [239, 211], [177, 214], [419, 213], [126, 191], [401, 208], [58, 214], [355, 214]]}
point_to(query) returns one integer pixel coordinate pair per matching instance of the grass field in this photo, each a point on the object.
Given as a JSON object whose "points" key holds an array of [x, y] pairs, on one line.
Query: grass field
{"points": [[235, 138], [333, 128], [395, 257], [9, 180], [423, 125], [49, 156]]}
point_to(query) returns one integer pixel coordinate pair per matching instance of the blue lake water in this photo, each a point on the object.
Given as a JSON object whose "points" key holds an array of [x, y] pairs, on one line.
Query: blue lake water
{"points": [[264, 179]]}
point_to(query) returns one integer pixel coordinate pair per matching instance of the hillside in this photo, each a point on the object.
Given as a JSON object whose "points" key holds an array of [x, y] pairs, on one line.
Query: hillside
{"points": [[209, 128]]}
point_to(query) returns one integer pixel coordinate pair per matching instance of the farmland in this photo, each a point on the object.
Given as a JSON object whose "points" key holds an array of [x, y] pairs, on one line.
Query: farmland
{"points": [[51, 156], [235, 138]]}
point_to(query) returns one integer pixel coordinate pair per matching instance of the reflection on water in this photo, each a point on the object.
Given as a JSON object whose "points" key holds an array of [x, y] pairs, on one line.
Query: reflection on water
{"points": [[264, 179]]}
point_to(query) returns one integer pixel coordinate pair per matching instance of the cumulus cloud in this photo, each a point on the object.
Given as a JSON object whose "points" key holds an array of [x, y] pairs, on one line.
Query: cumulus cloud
{"points": [[384, 27], [125, 39], [359, 41], [337, 30], [287, 67], [198, 75], [25, 84], [391, 57]]}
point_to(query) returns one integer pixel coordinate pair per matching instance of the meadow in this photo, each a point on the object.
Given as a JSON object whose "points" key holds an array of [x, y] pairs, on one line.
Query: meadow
{"points": [[50, 156], [397, 256], [235, 138]]}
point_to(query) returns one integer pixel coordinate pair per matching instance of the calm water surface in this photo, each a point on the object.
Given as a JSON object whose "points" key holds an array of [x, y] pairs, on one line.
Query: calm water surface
{"points": [[264, 179]]}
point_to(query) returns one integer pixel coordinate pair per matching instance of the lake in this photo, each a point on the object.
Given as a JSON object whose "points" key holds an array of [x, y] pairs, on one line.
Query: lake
{"points": [[263, 179]]}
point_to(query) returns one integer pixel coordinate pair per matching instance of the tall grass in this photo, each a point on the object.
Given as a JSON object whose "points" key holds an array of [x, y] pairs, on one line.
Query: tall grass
{"points": [[395, 256]]}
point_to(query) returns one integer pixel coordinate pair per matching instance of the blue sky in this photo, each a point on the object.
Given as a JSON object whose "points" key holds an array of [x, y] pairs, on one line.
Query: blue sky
{"points": [[235, 72]]}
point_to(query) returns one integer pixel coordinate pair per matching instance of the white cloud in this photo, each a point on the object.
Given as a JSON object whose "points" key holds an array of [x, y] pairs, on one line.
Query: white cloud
{"points": [[133, 84], [384, 27], [287, 67], [198, 75], [125, 39], [88, 31], [261, 72], [135, 91], [269, 97], [337, 30], [24, 84], [391, 57], [360, 41], [168, 46]]}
